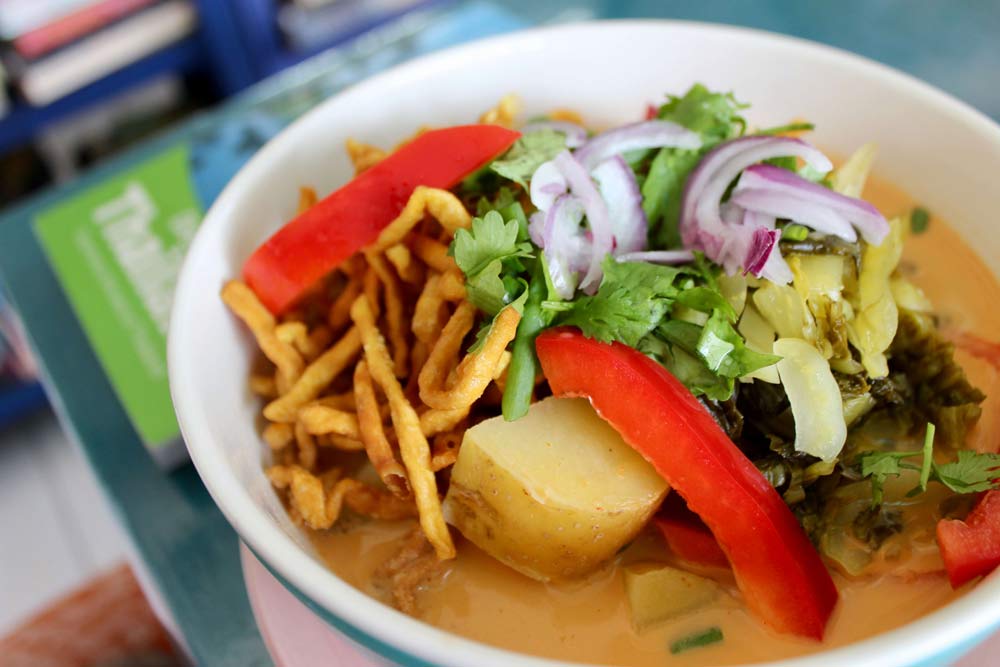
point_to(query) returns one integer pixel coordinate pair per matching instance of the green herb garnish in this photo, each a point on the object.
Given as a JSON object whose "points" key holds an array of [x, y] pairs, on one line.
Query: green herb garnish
{"points": [[487, 255], [790, 127], [920, 219], [527, 154], [972, 472], [925, 468], [716, 117], [793, 232], [697, 640]]}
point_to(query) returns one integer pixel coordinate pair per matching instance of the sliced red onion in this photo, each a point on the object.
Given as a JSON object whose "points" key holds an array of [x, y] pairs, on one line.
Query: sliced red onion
{"points": [[809, 213], [732, 214], [788, 185], [536, 228], [645, 134], [776, 269], [617, 185], [565, 244], [762, 243], [710, 179], [602, 243], [773, 267], [547, 183], [758, 219], [575, 135], [710, 226], [658, 256]]}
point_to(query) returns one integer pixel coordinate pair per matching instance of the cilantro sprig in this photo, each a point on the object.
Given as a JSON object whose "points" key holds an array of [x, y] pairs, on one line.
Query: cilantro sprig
{"points": [[501, 269], [527, 154], [487, 254], [971, 472], [637, 304]]}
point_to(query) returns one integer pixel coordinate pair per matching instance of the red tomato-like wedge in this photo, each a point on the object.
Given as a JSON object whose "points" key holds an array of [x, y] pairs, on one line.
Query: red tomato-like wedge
{"points": [[299, 254], [780, 573], [971, 548], [687, 535]]}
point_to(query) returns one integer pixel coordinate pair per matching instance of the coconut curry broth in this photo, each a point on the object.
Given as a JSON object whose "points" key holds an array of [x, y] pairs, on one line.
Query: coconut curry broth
{"points": [[589, 621]]}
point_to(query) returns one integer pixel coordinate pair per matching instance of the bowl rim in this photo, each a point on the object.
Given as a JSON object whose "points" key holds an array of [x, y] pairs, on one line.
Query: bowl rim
{"points": [[402, 638]]}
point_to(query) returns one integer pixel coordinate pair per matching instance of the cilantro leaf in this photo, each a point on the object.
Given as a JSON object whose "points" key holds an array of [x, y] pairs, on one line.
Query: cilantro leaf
{"points": [[633, 305], [631, 301], [661, 194], [971, 473], [715, 116], [527, 154], [688, 369], [717, 344], [707, 300], [488, 256], [879, 466], [724, 350]]}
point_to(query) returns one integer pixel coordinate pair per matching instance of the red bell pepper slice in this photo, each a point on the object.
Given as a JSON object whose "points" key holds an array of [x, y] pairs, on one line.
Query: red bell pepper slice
{"points": [[299, 254], [687, 535], [778, 570], [971, 548]]}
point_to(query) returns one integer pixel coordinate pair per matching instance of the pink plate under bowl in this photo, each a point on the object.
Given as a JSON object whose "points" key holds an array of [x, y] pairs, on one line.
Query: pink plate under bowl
{"points": [[293, 635]]}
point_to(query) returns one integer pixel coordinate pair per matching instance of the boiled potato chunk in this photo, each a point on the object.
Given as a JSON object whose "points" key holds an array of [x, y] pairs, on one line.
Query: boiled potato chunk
{"points": [[658, 593], [553, 494]]}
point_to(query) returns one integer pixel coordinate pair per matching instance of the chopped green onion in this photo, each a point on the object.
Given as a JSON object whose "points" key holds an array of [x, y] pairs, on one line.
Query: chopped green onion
{"points": [[920, 219], [793, 232], [697, 640], [557, 306], [523, 363], [925, 469], [791, 127]]}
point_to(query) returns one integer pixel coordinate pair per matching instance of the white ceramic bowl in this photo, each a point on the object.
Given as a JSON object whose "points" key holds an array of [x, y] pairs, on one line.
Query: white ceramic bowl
{"points": [[943, 152]]}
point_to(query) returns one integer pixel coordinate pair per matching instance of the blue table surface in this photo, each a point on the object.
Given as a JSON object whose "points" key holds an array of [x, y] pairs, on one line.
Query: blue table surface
{"points": [[187, 546]]}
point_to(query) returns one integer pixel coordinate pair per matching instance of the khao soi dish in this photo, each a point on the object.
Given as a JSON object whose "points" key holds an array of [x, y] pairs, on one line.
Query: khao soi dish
{"points": [[666, 393]]}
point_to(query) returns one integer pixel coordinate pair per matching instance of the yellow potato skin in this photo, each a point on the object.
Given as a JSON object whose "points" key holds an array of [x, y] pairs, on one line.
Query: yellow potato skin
{"points": [[554, 494]]}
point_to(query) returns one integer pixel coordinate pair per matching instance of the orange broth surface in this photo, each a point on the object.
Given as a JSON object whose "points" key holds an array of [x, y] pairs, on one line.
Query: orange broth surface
{"points": [[588, 621]]}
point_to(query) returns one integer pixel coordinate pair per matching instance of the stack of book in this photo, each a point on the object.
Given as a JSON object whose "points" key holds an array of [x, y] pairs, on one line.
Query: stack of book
{"points": [[51, 48]]}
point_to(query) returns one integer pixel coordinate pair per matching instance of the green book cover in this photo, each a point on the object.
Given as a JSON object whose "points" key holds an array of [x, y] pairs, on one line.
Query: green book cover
{"points": [[117, 249]]}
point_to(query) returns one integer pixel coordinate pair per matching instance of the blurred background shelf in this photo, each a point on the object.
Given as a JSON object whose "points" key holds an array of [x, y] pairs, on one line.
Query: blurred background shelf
{"points": [[23, 122], [67, 62], [19, 400]]}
